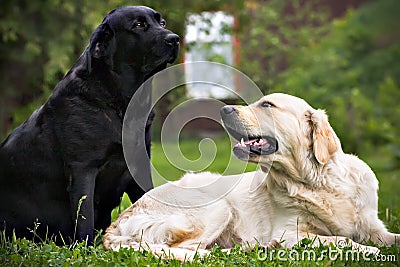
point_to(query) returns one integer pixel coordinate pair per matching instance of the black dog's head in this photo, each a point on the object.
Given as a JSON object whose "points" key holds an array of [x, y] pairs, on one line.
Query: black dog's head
{"points": [[133, 36]]}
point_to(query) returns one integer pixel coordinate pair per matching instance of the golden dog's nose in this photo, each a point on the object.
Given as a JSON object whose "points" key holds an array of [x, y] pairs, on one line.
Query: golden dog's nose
{"points": [[227, 110]]}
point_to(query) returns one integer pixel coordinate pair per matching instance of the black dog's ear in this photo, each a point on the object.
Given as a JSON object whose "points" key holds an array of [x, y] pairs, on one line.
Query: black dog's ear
{"points": [[102, 45]]}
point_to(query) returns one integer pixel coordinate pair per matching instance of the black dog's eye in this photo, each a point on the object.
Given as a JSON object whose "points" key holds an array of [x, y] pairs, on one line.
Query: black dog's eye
{"points": [[267, 104], [139, 25], [163, 23]]}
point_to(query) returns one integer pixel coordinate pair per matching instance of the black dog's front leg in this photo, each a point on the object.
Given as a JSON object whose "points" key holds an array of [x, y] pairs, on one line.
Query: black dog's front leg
{"points": [[81, 194], [139, 179]]}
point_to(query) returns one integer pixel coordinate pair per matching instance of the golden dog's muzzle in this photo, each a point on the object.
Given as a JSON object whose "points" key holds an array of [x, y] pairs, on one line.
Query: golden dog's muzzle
{"points": [[250, 144]]}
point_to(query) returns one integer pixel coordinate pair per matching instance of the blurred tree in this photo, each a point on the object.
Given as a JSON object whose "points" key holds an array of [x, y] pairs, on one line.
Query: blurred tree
{"points": [[354, 72], [271, 33]]}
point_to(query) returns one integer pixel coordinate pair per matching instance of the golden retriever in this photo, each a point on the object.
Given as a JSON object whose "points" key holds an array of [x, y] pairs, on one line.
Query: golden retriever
{"points": [[306, 187]]}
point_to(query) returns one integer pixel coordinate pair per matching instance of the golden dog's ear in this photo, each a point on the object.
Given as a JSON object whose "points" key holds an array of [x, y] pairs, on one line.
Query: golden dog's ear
{"points": [[323, 137]]}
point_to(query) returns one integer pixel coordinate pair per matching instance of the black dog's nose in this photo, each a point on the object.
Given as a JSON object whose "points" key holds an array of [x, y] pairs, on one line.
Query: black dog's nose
{"points": [[172, 39], [227, 109]]}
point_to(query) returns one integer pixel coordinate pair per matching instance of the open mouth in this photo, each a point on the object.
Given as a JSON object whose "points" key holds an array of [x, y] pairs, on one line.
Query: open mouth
{"points": [[256, 145], [252, 145]]}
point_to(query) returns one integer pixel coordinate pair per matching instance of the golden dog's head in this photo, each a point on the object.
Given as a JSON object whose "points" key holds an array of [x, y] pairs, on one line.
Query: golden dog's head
{"points": [[280, 128]]}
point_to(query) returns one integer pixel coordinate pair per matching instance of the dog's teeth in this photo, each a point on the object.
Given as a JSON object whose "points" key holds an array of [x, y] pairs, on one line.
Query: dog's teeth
{"points": [[242, 142]]}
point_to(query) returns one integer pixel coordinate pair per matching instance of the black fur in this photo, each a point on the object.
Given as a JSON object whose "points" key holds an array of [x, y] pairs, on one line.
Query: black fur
{"points": [[71, 146]]}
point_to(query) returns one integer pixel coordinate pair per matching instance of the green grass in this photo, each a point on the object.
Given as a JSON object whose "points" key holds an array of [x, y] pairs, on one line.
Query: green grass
{"points": [[22, 252]]}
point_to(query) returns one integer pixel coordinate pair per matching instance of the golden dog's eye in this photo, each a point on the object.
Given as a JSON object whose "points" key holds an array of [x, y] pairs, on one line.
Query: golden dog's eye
{"points": [[267, 104], [163, 23], [139, 25]]}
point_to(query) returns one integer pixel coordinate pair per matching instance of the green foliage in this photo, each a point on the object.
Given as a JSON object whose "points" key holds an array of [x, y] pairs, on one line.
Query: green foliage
{"points": [[353, 72], [272, 33]]}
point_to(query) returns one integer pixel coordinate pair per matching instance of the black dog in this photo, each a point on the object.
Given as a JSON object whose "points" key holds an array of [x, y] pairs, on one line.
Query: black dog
{"points": [[69, 152]]}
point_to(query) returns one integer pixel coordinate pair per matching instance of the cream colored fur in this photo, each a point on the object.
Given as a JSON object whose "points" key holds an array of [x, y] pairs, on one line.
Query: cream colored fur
{"points": [[309, 187]]}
